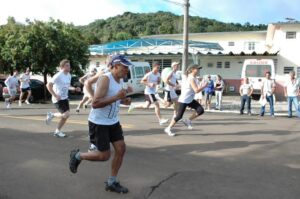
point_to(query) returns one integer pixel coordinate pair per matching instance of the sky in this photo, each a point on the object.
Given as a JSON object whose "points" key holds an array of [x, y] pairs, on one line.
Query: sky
{"points": [[83, 12]]}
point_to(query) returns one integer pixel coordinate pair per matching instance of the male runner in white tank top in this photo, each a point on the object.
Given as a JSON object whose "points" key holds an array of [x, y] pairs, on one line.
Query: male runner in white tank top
{"points": [[104, 122]]}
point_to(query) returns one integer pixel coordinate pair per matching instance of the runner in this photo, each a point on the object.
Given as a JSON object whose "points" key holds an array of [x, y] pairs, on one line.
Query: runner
{"points": [[59, 88], [151, 80], [25, 87], [170, 88], [186, 99], [104, 123], [12, 85], [86, 99]]}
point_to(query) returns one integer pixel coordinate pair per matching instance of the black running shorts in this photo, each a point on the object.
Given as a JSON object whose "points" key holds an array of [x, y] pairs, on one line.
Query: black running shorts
{"points": [[103, 135], [62, 105], [150, 98]]}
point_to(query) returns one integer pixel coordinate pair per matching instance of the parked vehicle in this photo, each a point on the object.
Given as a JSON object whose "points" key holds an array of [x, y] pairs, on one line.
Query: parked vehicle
{"points": [[255, 70], [135, 75]]}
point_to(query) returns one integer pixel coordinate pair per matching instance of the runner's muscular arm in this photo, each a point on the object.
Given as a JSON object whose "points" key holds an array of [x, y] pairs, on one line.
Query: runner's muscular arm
{"points": [[100, 100]]}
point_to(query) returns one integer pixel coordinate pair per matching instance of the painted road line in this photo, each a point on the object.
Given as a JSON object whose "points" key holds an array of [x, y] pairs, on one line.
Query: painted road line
{"points": [[39, 118]]}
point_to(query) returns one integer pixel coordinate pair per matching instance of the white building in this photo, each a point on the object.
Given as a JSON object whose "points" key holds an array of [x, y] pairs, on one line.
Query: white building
{"points": [[280, 42]]}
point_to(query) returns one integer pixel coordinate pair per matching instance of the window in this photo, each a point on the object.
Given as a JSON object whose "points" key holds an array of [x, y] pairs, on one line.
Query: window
{"points": [[139, 72], [97, 64], [166, 63], [251, 46], [227, 64], [257, 70], [290, 35], [287, 69], [219, 64], [231, 43], [298, 72], [210, 65], [150, 61]]}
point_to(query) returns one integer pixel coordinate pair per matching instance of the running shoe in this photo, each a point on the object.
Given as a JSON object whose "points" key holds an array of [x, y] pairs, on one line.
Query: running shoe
{"points": [[116, 187], [163, 121], [8, 105], [60, 134], [49, 118], [85, 106], [74, 163], [92, 148], [131, 108], [77, 111], [169, 132], [27, 102], [20, 103], [187, 123]]}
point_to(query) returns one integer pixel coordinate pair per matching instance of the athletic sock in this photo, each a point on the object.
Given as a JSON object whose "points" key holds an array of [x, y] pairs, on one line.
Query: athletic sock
{"points": [[111, 180], [77, 156]]}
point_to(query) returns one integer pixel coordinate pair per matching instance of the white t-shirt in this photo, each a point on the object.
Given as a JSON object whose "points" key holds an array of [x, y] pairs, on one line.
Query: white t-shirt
{"points": [[12, 82], [187, 92], [292, 88], [268, 84], [61, 83], [109, 114], [199, 96], [245, 88], [152, 79], [172, 80], [25, 80]]}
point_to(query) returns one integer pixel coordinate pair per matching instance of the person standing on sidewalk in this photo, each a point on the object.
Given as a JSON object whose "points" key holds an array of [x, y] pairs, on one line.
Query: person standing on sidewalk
{"points": [[151, 80], [219, 87], [104, 123], [246, 90], [209, 91], [267, 92], [12, 86], [188, 89], [59, 87], [25, 87], [292, 91]]}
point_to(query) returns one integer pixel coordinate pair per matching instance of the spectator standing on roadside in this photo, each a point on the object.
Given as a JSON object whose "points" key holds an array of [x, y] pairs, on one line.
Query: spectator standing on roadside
{"points": [[292, 91], [219, 88], [246, 90], [209, 91]]}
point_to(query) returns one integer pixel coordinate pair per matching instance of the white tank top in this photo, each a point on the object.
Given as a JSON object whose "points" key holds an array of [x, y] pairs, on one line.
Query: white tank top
{"points": [[109, 114], [152, 78], [173, 81], [187, 92]]}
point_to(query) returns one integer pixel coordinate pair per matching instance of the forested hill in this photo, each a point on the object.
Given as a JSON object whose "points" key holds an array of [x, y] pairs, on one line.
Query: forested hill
{"points": [[134, 25]]}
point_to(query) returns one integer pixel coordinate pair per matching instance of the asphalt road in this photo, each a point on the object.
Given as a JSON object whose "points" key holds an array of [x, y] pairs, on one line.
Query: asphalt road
{"points": [[225, 156]]}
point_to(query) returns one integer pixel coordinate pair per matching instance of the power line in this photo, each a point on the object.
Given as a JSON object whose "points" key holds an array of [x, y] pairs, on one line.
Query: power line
{"points": [[174, 2]]}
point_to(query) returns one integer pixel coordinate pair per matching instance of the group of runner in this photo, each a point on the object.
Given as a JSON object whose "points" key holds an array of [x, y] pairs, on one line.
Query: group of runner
{"points": [[107, 91]]}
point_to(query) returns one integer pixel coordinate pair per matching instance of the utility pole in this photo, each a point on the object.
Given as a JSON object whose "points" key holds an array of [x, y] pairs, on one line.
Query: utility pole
{"points": [[185, 55]]}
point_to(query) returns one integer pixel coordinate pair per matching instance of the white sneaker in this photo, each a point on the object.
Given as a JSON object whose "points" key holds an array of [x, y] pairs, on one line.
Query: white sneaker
{"points": [[20, 103], [163, 121], [187, 123], [92, 148], [59, 134], [169, 132], [8, 105], [131, 108], [27, 102], [49, 118]]}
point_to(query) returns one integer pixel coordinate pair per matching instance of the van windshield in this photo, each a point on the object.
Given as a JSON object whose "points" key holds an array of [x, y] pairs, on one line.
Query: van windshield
{"points": [[257, 70]]}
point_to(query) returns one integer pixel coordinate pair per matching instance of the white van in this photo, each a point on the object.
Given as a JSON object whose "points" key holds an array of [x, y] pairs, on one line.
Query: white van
{"points": [[255, 70], [135, 75]]}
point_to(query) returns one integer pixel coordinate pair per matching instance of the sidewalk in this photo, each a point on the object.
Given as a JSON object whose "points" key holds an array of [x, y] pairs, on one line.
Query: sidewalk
{"points": [[231, 104]]}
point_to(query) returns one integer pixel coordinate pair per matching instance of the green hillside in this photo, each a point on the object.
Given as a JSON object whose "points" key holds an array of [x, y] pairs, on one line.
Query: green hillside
{"points": [[134, 25]]}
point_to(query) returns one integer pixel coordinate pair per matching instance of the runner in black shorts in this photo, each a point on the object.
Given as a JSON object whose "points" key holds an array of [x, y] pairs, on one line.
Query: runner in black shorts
{"points": [[59, 87], [104, 126]]}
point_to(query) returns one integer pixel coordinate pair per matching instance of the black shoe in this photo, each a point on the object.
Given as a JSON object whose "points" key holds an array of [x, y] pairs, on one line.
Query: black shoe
{"points": [[77, 111], [241, 113], [116, 187], [73, 164]]}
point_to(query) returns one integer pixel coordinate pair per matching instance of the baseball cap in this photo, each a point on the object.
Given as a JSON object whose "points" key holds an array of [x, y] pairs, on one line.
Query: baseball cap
{"points": [[121, 59], [174, 63], [194, 66]]}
